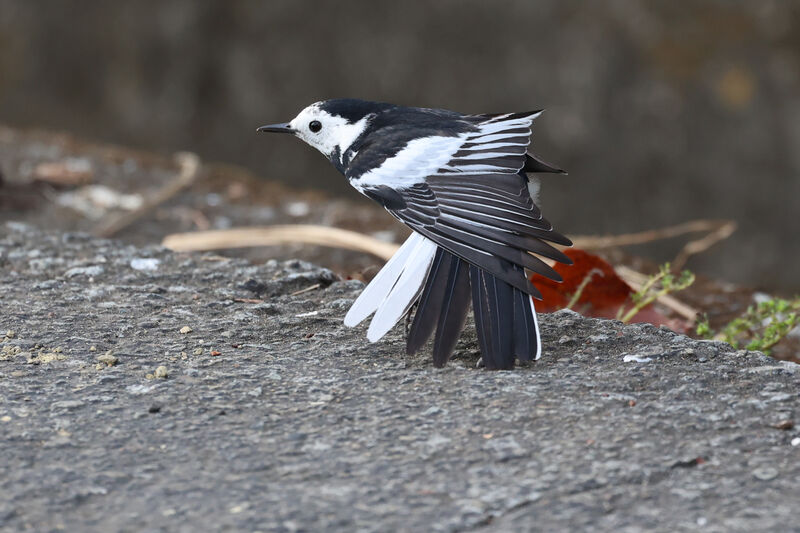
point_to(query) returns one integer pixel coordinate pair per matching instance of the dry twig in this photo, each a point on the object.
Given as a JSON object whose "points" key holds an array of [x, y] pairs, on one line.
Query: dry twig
{"points": [[307, 289], [277, 235], [717, 230]]}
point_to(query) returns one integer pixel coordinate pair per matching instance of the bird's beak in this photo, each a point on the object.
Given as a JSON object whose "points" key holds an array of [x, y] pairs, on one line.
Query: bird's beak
{"points": [[277, 128]]}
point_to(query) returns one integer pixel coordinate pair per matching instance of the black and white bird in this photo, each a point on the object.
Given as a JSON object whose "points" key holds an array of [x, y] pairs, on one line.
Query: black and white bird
{"points": [[459, 182]]}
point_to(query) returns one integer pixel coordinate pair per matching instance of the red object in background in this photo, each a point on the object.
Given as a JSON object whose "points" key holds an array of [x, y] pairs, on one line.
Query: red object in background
{"points": [[602, 296]]}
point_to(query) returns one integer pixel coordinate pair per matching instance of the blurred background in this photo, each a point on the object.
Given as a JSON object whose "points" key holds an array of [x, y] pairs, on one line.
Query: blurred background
{"points": [[661, 111]]}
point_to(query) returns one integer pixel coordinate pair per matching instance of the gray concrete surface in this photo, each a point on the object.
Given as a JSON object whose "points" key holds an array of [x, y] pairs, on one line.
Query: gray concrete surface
{"points": [[269, 415]]}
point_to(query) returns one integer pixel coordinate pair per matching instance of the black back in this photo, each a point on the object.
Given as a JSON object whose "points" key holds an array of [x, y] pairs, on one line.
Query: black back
{"points": [[391, 129]]}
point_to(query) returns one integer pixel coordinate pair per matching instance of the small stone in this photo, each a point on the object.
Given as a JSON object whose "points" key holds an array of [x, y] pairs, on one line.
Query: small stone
{"points": [[5, 418], [67, 404], [796, 441], [10, 334], [781, 397], [161, 372], [107, 359], [92, 348], [142, 263], [9, 352], [45, 357], [765, 473], [186, 329], [198, 351], [89, 271], [635, 359]]}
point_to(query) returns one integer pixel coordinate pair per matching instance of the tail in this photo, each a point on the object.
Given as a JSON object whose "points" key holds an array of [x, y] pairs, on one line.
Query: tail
{"points": [[505, 320], [442, 285]]}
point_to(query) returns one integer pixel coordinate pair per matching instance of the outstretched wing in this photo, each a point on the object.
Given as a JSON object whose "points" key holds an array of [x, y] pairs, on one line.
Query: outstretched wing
{"points": [[468, 193]]}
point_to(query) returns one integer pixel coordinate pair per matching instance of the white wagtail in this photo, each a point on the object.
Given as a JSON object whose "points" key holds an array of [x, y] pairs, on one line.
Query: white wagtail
{"points": [[460, 183]]}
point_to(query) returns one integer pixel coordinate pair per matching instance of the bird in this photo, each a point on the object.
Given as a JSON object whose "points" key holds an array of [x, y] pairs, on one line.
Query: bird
{"points": [[460, 183]]}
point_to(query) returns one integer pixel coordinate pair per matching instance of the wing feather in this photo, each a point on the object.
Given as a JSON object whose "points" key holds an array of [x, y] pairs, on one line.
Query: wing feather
{"points": [[474, 202]]}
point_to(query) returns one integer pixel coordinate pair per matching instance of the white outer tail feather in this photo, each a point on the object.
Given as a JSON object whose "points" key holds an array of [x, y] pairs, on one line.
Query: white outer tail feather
{"points": [[536, 327], [374, 293], [405, 291], [395, 288]]}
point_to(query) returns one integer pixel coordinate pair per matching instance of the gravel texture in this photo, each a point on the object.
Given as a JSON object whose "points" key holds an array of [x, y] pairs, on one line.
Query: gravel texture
{"points": [[149, 391]]}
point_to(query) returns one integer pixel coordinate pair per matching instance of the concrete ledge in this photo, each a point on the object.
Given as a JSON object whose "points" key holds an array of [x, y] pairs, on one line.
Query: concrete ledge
{"points": [[270, 415]]}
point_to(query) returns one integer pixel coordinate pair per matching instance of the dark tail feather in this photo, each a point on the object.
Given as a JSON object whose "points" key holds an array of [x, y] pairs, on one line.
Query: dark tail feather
{"points": [[501, 306], [480, 308], [493, 300], [454, 313], [534, 164], [504, 318], [443, 304], [429, 305], [504, 321]]}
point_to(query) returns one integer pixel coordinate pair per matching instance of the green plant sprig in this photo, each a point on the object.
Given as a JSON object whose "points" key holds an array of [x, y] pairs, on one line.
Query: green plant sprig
{"points": [[763, 325], [656, 286]]}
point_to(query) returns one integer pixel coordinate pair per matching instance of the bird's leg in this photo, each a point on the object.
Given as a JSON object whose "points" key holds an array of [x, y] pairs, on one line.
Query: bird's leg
{"points": [[407, 321]]}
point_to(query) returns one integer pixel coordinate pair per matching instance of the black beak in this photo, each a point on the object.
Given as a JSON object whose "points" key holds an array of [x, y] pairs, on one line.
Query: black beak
{"points": [[277, 128]]}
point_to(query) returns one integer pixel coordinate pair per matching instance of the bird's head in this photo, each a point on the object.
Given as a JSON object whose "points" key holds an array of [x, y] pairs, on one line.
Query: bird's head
{"points": [[331, 126]]}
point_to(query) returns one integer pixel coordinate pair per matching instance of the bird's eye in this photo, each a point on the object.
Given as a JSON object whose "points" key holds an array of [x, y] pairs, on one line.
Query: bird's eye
{"points": [[315, 126]]}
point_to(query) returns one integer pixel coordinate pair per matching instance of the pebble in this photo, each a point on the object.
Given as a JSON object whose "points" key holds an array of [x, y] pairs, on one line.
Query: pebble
{"points": [[765, 473], [145, 263], [635, 359], [89, 272], [781, 397], [67, 404], [107, 359]]}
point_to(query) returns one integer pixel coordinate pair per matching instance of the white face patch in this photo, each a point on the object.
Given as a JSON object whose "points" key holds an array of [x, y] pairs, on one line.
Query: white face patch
{"points": [[335, 132]]}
